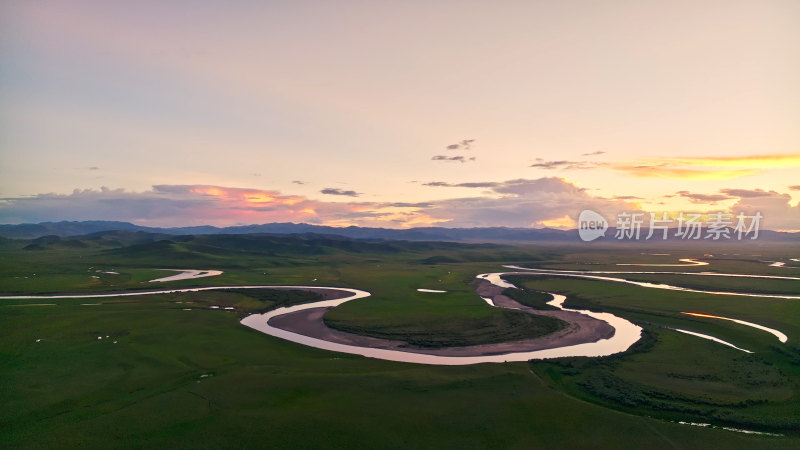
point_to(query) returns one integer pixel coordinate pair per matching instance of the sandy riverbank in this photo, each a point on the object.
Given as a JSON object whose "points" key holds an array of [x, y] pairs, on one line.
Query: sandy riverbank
{"points": [[581, 329]]}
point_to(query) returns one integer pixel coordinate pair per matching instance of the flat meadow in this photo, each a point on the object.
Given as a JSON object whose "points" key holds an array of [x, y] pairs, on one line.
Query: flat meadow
{"points": [[171, 370]]}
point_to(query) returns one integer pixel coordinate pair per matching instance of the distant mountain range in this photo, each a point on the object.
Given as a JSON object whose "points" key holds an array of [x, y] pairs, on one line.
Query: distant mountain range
{"points": [[493, 234]]}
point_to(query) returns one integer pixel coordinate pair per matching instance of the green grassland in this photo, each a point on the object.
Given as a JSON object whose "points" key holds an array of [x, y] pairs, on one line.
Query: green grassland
{"points": [[735, 257], [475, 324], [680, 377], [174, 372], [717, 283], [528, 297]]}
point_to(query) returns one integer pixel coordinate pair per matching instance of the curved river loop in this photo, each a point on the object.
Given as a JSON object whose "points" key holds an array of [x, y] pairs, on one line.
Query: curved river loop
{"points": [[625, 333]]}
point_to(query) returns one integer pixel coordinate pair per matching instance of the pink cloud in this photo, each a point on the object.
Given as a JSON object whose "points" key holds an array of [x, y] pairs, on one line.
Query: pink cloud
{"points": [[522, 203], [512, 203]]}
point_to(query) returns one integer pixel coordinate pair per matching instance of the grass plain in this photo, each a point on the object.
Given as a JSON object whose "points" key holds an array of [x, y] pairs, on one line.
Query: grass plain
{"points": [[170, 371]]}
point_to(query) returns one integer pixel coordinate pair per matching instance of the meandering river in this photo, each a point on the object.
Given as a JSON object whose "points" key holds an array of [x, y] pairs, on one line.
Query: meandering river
{"points": [[625, 332]]}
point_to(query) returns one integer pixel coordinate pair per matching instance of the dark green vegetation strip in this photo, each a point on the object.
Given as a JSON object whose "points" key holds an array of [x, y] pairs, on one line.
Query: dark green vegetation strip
{"points": [[717, 283], [428, 328], [680, 377], [243, 301], [527, 297], [683, 379], [263, 300]]}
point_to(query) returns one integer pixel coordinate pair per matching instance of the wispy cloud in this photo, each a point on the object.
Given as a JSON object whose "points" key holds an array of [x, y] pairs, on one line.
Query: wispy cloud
{"points": [[663, 171], [465, 144], [409, 205], [565, 165], [461, 159], [748, 193], [707, 168], [726, 194], [298, 182], [627, 197], [750, 161], [703, 198], [701, 168], [336, 191], [466, 185]]}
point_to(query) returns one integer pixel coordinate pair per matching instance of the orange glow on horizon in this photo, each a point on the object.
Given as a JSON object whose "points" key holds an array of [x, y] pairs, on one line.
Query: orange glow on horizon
{"points": [[209, 191], [660, 171], [258, 198], [564, 223], [289, 201], [752, 162], [710, 316], [422, 219], [709, 168]]}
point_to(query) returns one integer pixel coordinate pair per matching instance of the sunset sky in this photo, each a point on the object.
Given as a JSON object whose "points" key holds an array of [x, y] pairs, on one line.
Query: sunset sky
{"points": [[397, 113]]}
